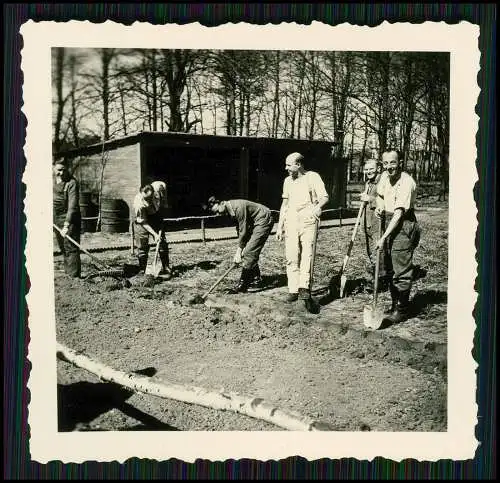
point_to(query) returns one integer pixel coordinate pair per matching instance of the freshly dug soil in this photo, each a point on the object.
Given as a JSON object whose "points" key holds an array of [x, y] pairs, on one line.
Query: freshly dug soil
{"points": [[325, 366]]}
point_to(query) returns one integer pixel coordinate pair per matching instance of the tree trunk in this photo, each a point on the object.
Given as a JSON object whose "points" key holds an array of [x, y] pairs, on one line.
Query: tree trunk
{"points": [[250, 406], [59, 80]]}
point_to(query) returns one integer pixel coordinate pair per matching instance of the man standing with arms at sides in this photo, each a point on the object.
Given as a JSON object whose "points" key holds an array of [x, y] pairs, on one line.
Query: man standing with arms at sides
{"points": [[67, 217], [304, 196], [370, 221], [254, 225], [396, 194]]}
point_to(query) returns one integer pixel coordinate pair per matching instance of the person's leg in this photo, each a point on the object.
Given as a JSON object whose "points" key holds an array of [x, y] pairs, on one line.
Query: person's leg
{"points": [[402, 263], [307, 239], [253, 249], [292, 253], [72, 262], [142, 244]]}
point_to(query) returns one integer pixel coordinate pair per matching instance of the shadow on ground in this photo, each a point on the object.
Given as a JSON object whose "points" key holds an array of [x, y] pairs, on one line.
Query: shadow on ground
{"points": [[82, 402], [424, 299], [270, 282], [204, 265]]}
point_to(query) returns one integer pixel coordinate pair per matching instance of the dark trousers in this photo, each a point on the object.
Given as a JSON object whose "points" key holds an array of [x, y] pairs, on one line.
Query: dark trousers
{"points": [[255, 244], [71, 253], [371, 228], [401, 247], [141, 237]]}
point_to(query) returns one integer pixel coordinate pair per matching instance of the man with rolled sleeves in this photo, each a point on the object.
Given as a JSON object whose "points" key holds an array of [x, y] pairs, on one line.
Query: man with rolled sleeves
{"points": [[303, 198], [396, 194], [254, 225], [67, 216]]}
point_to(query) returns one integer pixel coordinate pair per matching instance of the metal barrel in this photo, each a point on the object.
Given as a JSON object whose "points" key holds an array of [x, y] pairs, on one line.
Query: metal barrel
{"points": [[114, 215], [88, 211]]}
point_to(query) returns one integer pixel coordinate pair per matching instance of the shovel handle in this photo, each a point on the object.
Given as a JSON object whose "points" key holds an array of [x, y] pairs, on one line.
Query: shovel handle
{"points": [[377, 268], [353, 236], [222, 277], [313, 257], [96, 260]]}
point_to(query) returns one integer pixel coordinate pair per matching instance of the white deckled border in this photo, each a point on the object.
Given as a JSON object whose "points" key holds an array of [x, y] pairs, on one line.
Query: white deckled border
{"points": [[46, 444]]}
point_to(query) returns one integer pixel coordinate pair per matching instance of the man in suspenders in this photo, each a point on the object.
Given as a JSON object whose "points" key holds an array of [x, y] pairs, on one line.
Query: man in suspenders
{"points": [[66, 215], [304, 196]]}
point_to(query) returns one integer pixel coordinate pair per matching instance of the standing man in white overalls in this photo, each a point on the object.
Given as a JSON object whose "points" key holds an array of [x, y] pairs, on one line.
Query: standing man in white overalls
{"points": [[304, 196]]}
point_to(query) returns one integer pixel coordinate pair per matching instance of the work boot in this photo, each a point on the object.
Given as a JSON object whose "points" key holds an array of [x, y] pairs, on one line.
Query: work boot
{"points": [[394, 300], [256, 277], [292, 297], [402, 309], [143, 263], [243, 283], [304, 294]]}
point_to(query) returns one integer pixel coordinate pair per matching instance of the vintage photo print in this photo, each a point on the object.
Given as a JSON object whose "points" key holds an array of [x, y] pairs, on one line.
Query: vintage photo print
{"points": [[250, 241]]}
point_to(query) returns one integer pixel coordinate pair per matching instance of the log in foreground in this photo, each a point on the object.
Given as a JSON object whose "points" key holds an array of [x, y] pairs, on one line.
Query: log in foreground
{"points": [[254, 407]]}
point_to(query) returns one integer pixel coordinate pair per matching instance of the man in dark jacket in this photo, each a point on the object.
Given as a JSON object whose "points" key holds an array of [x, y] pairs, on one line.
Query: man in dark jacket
{"points": [[371, 223], [254, 225], [66, 216]]}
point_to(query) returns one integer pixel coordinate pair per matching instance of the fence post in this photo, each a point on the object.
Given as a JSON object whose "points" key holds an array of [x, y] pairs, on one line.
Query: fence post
{"points": [[340, 217], [203, 231]]}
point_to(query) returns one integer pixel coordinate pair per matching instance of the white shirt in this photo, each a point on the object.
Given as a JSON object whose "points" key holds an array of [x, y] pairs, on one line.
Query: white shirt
{"points": [[400, 195], [158, 199], [303, 191]]}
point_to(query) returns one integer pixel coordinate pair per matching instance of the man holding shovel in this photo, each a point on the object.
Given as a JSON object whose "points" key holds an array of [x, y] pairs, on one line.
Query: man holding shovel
{"points": [[396, 193], [370, 221], [304, 196], [254, 225], [148, 221], [67, 217]]}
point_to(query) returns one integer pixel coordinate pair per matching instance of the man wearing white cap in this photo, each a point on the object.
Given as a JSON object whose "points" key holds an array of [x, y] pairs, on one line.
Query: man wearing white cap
{"points": [[304, 196]]}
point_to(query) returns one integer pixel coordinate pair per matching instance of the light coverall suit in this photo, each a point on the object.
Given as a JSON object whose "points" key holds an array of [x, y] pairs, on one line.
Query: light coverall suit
{"points": [[300, 226]]}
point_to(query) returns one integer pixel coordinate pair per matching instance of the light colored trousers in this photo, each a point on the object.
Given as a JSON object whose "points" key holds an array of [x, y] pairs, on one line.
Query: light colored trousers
{"points": [[300, 232]]}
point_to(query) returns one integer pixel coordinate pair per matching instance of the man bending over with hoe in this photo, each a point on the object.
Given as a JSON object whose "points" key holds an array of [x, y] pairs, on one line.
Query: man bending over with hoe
{"points": [[149, 207], [254, 225]]}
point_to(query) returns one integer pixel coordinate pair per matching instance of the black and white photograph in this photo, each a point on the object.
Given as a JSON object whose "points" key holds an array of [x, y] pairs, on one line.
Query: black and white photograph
{"points": [[237, 234]]}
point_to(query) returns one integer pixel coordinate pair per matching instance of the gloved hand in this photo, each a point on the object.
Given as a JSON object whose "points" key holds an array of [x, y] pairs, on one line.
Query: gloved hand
{"points": [[379, 212], [237, 256], [364, 197], [64, 230]]}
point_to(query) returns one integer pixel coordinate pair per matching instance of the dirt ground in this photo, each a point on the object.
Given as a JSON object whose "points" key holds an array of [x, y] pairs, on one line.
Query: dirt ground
{"points": [[324, 366]]}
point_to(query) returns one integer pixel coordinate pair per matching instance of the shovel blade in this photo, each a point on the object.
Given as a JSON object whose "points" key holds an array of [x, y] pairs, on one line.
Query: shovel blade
{"points": [[372, 317]]}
